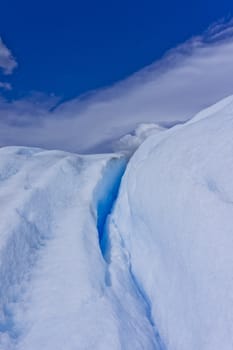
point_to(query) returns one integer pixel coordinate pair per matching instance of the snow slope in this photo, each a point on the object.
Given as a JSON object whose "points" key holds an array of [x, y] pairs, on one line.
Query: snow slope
{"points": [[57, 291], [174, 220]]}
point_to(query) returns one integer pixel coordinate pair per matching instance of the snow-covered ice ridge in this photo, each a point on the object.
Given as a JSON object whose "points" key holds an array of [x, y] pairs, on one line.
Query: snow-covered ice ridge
{"points": [[96, 253]]}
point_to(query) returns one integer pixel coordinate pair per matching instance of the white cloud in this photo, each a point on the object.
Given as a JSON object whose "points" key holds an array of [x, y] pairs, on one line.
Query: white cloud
{"points": [[7, 61], [5, 86], [188, 78]]}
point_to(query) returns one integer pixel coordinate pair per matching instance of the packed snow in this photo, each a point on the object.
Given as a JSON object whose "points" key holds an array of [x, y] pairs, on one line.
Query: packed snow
{"points": [[106, 252]]}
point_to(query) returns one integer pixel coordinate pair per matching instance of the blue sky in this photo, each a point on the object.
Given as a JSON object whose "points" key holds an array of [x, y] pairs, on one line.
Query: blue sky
{"points": [[78, 75], [71, 47]]}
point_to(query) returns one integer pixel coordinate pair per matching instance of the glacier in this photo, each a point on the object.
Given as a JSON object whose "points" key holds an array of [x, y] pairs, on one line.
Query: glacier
{"points": [[121, 251]]}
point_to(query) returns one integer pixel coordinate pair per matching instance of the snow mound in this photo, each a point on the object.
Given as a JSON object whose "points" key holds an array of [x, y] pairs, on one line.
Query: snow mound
{"points": [[173, 219]]}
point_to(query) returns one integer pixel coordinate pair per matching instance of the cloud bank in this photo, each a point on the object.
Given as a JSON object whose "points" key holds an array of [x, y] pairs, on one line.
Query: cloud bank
{"points": [[187, 79]]}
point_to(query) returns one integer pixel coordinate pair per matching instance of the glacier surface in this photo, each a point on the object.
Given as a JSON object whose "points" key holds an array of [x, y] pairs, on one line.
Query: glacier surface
{"points": [[106, 252]]}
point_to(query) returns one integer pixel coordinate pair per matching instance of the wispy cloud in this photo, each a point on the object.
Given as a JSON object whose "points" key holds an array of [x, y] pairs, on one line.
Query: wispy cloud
{"points": [[7, 61], [188, 78], [5, 86]]}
